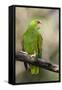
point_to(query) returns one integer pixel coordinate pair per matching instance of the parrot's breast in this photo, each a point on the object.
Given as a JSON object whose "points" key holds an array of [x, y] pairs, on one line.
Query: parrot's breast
{"points": [[30, 43]]}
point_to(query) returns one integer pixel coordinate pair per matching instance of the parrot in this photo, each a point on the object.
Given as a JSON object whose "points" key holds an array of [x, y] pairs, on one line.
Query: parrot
{"points": [[32, 44]]}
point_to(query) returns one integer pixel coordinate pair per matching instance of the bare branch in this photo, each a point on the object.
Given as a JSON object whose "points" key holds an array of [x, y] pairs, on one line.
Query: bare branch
{"points": [[25, 57]]}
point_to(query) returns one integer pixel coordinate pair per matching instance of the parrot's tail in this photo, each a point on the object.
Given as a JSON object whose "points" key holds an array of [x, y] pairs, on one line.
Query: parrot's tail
{"points": [[34, 69]]}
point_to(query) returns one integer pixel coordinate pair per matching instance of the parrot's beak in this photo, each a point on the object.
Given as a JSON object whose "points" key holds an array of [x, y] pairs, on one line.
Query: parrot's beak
{"points": [[40, 22]]}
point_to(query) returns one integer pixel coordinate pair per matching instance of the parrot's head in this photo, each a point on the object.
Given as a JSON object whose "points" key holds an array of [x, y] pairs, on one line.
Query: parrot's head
{"points": [[35, 23]]}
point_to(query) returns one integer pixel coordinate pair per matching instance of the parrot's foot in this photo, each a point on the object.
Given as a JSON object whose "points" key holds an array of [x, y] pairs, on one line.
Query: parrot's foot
{"points": [[33, 56], [24, 52]]}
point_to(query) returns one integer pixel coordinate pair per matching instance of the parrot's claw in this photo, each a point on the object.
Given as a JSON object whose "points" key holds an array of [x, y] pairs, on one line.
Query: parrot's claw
{"points": [[33, 56], [24, 52]]}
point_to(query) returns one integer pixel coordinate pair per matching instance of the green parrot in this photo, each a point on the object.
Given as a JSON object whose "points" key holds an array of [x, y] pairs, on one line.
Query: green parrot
{"points": [[32, 44]]}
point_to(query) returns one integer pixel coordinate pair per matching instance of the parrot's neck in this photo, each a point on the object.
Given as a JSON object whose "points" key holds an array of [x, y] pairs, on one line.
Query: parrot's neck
{"points": [[32, 28]]}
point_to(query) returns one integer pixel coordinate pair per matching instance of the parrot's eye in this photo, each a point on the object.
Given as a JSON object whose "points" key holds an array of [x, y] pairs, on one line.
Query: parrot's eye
{"points": [[38, 22]]}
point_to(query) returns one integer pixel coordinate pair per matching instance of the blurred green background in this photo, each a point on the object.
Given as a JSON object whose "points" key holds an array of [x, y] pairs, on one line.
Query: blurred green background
{"points": [[50, 34]]}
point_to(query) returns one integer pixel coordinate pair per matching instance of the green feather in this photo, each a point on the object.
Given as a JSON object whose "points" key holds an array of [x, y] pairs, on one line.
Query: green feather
{"points": [[32, 42]]}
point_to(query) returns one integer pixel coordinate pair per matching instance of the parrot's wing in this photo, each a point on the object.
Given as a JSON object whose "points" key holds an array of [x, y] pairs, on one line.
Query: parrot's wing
{"points": [[39, 45], [22, 45], [25, 64]]}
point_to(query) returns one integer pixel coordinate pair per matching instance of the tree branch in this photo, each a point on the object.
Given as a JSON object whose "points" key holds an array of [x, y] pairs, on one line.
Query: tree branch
{"points": [[25, 57]]}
